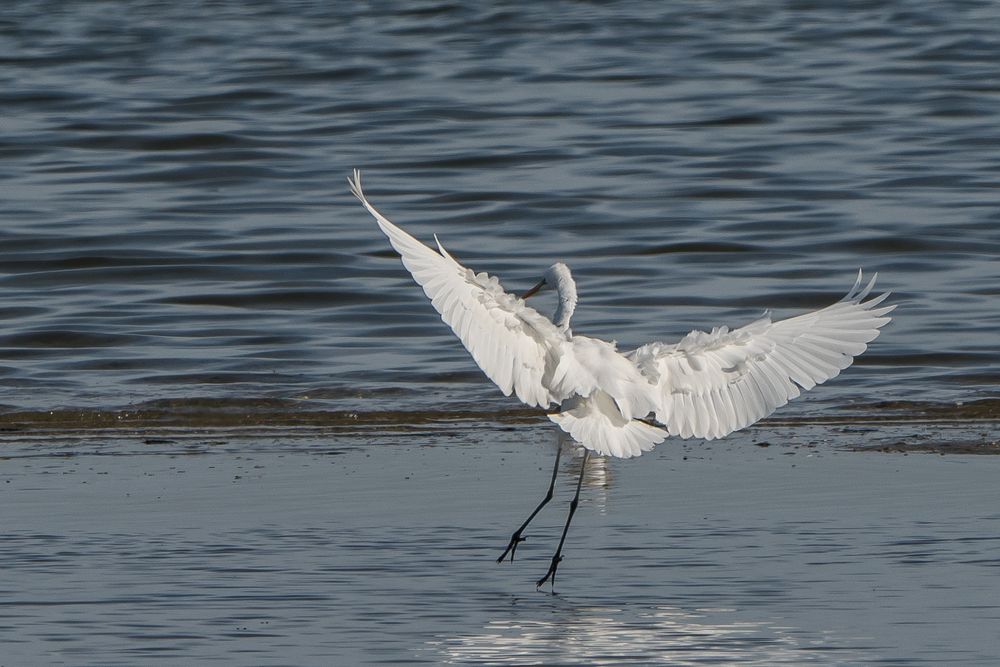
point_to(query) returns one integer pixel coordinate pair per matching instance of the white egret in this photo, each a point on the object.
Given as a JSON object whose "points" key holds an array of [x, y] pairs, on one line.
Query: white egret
{"points": [[707, 385]]}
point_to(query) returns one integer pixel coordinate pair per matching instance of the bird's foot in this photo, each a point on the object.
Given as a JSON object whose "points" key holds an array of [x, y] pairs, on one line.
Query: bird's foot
{"points": [[551, 574], [515, 539]]}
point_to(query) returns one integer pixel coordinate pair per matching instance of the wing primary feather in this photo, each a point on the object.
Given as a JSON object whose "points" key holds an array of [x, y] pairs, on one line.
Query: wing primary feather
{"points": [[493, 325], [708, 385]]}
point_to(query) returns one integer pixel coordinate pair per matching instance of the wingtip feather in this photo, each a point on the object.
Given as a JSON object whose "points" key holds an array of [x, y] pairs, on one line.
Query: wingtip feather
{"points": [[441, 250], [355, 183], [868, 288]]}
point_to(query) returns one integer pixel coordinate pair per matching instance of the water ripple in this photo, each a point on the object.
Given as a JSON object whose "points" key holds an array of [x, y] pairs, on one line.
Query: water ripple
{"points": [[173, 169]]}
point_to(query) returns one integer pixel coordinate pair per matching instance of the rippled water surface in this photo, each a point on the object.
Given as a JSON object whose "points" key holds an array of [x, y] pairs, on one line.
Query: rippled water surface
{"points": [[175, 220], [178, 248]]}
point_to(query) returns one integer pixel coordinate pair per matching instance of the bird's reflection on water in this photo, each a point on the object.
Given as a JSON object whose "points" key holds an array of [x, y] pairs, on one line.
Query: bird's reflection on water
{"points": [[598, 480], [595, 634]]}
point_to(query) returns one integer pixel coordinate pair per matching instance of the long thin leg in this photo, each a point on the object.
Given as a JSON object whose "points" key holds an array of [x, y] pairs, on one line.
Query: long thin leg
{"points": [[557, 558], [516, 538]]}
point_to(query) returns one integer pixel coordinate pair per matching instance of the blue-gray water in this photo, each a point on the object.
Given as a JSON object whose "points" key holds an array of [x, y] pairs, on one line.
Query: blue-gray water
{"points": [[176, 222], [176, 235]]}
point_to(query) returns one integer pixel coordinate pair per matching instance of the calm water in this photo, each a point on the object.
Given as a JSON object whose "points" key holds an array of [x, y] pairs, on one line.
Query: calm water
{"points": [[176, 235], [375, 548]]}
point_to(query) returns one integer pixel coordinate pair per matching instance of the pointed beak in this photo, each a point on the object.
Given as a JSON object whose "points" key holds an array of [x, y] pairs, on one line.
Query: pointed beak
{"points": [[533, 290]]}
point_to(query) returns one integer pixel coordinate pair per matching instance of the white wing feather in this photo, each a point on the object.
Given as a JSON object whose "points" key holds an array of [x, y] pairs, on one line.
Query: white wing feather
{"points": [[707, 385], [514, 344], [711, 384]]}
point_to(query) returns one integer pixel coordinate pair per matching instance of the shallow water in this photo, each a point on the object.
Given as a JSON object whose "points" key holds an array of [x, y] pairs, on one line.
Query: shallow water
{"points": [[234, 432], [379, 548]]}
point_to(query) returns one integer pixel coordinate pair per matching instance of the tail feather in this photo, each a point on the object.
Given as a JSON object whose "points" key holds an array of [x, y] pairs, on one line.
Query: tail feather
{"points": [[597, 424]]}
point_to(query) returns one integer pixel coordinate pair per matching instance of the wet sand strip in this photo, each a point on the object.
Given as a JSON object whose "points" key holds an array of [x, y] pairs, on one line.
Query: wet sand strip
{"points": [[891, 427]]}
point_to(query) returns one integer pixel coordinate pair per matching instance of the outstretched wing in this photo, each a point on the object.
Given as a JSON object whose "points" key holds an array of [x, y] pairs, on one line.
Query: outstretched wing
{"points": [[711, 384], [514, 345]]}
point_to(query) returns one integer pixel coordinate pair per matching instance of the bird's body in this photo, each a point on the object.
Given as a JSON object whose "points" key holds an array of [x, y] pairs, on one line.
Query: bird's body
{"points": [[707, 385]]}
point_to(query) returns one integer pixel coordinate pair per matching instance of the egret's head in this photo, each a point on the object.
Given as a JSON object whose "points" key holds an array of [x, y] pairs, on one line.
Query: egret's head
{"points": [[556, 276]]}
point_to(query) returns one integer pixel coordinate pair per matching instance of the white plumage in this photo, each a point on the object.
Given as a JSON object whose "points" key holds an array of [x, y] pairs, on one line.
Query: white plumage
{"points": [[707, 385]]}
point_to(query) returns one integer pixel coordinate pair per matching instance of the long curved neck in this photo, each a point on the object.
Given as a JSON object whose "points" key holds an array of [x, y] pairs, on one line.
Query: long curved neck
{"points": [[562, 280], [563, 314], [564, 309]]}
